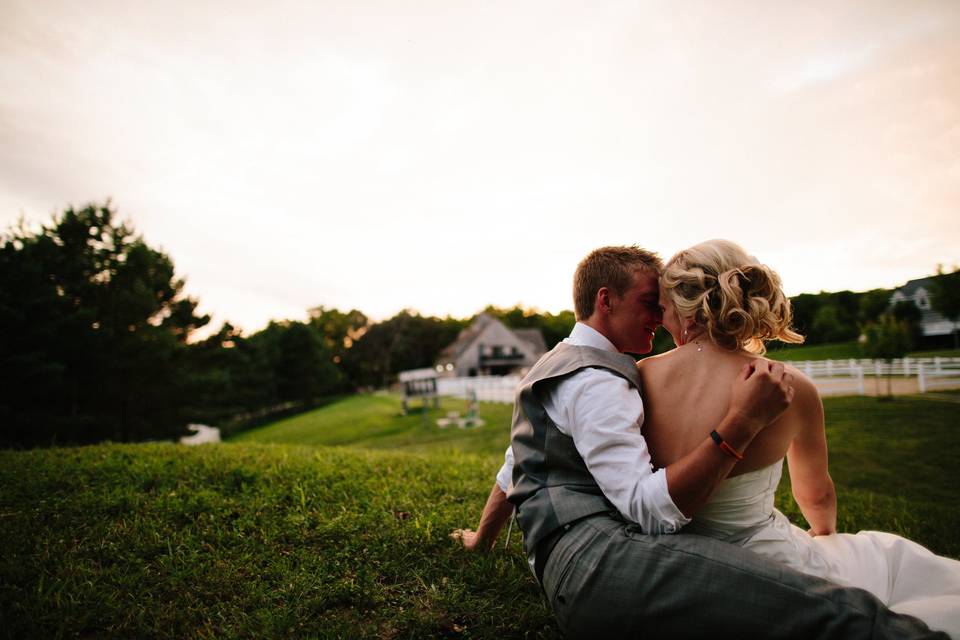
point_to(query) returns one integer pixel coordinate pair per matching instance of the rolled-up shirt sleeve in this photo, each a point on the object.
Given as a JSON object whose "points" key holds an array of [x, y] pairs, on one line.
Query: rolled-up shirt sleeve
{"points": [[603, 415], [505, 475]]}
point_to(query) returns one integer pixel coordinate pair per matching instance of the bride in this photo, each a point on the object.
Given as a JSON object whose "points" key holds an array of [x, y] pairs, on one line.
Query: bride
{"points": [[720, 305]]}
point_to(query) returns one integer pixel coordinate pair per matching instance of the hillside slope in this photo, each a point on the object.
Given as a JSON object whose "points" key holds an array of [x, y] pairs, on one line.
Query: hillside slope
{"points": [[165, 541]]}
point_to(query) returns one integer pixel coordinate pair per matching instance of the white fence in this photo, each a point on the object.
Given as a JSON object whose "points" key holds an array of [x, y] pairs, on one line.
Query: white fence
{"points": [[832, 377], [486, 388]]}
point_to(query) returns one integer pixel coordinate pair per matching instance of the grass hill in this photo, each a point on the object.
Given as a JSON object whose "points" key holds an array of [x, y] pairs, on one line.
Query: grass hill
{"points": [[373, 421], [165, 541], [265, 536]]}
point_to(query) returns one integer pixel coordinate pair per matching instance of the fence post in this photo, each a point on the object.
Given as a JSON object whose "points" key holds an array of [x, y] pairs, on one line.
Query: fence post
{"points": [[808, 369], [860, 388], [829, 368], [921, 381], [936, 364]]}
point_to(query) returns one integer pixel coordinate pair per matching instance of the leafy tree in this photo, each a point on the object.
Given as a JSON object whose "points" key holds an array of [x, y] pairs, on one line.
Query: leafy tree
{"points": [[805, 308], [94, 323], [339, 330], [872, 304], [887, 340], [827, 326], [229, 377], [405, 341], [946, 298], [554, 327]]}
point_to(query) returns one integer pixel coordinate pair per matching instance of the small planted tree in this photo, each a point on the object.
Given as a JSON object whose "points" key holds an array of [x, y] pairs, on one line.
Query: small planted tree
{"points": [[887, 339]]}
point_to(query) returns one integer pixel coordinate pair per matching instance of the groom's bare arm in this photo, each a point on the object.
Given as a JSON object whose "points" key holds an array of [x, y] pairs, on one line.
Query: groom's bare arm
{"points": [[495, 514], [761, 392]]}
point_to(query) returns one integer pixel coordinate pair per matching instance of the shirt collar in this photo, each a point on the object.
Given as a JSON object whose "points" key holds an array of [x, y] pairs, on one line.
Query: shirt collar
{"points": [[584, 336]]}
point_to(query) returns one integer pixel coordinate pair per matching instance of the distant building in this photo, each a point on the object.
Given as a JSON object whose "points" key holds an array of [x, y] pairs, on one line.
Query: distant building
{"points": [[489, 347], [920, 293]]}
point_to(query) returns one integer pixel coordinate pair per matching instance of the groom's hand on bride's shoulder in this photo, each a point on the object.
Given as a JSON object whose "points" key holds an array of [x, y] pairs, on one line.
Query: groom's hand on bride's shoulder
{"points": [[762, 391]]}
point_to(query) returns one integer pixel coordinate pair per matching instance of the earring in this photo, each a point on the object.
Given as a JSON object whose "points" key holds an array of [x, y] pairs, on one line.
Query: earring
{"points": [[683, 338]]}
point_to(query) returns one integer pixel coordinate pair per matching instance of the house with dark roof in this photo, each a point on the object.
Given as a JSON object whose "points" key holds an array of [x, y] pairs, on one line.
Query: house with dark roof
{"points": [[489, 347], [920, 293]]}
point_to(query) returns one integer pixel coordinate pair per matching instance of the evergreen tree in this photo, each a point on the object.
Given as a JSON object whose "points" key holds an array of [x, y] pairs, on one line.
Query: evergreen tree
{"points": [[94, 324]]}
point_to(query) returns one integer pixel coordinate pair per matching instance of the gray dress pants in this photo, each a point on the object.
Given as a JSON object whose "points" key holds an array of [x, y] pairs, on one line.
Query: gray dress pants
{"points": [[605, 578]]}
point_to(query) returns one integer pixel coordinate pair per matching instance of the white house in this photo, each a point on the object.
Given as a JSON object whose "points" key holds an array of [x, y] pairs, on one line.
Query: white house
{"points": [[919, 292], [489, 347]]}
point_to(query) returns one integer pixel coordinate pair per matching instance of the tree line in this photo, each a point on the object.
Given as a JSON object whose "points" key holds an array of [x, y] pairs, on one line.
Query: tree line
{"points": [[96, 341]]}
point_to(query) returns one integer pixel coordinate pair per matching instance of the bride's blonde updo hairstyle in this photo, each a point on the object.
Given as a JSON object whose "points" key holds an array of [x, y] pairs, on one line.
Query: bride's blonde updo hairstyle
{"points": [[738, 301]]}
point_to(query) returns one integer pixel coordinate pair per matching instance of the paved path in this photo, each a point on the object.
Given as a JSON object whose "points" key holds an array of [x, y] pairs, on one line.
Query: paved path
{"points": [[900, 386]]}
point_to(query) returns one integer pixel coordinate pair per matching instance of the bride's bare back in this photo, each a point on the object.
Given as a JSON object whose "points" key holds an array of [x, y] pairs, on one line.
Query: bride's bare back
{"points": [[686, 394]]}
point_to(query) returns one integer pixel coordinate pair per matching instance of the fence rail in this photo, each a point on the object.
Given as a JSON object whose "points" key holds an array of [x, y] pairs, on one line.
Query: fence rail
{"points": [[832, 377], [486, 388]]}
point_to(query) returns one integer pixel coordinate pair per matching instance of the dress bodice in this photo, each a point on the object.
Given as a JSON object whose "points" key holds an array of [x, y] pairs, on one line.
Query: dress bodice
{"points": [[740, 505], [902, 574]]}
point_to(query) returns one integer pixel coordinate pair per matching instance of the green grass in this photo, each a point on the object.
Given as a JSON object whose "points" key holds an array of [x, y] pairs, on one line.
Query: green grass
{"points": [[165, 541], [840, 351], [836, 351], [895, 468], [374, 421], [933, 353], [255, 539]]}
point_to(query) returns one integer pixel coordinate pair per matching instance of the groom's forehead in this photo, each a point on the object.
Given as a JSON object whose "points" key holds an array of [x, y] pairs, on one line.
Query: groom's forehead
{"points": [[647, 282]]}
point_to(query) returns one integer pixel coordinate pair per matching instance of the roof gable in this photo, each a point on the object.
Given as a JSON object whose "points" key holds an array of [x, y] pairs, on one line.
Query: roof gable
{"points": [[482, 327]]}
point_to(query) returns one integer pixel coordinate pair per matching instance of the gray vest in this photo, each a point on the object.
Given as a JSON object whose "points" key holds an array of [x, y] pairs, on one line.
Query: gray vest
{"points": [[551, 483]]}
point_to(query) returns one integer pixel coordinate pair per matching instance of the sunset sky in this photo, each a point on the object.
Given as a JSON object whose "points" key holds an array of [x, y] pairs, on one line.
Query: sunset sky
{"points": [[443, 155]]}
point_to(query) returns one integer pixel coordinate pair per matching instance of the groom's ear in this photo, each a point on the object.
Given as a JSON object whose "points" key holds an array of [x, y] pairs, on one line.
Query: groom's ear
{"points": [[602, 302]]}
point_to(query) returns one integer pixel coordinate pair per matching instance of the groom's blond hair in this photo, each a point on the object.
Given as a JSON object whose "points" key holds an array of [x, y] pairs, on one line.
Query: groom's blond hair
{"points": [[610, 267]]}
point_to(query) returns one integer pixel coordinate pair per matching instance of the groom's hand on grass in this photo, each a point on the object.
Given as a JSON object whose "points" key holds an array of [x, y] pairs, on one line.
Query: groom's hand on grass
{"points": [[496, 513], [761, 393], [470, 540]]}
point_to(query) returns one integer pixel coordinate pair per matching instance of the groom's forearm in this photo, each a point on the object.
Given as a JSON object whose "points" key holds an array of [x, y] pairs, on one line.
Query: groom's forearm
{"points": [[692, 479], [496, 513]]}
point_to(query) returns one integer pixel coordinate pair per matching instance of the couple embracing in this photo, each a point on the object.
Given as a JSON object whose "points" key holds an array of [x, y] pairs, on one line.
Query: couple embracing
{"points": [[645, 491]]}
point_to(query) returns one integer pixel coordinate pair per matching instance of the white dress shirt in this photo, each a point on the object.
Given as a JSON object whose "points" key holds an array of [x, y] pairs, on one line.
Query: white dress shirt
{"points": [[603, 414]]}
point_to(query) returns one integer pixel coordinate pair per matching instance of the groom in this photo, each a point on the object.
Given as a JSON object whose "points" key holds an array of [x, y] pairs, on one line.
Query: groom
{"points": [[592, 508]]}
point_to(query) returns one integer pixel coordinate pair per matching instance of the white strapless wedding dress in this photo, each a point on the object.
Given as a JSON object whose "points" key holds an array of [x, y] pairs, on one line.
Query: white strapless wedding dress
{"points": [[904, 575]]}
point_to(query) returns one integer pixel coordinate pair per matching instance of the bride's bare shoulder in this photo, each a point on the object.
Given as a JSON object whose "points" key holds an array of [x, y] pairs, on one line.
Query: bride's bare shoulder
{"points": [[801, 382], [653, 362], [806, 398]]}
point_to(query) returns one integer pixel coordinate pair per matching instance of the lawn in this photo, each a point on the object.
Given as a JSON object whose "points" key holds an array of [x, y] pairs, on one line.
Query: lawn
{"points": [[252, 541], [374, 421], [835, 351], [840, 351], [278, 534]]}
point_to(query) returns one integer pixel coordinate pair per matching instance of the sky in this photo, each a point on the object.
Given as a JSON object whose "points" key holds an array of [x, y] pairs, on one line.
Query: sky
{"points": [[443, 156]]}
